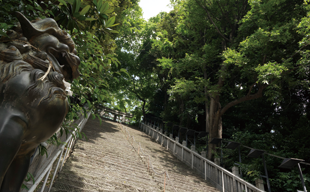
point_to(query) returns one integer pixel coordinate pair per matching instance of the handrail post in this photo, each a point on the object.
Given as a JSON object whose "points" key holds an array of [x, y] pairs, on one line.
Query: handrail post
{"points": [[266, 173], [64, 157], [205, 170], [192, 150], [182, 153], [223, 184], [192, 160], [46, 177], [168, 140], [62, 150], [174, 146], [302, 178]]}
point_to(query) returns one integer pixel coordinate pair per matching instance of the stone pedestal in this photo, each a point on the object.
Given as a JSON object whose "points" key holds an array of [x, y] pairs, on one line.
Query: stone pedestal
{"points": [[177, 139], [259, 184], [217, 161], [204, 154], [193, 148], [184, 143], [171, 136], [235, 171]]}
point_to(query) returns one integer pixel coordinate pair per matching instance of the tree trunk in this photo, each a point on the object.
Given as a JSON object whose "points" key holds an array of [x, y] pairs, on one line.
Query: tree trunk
{"points": [[143, 110], [215, 125], [216, 112], [215, 132], [206, 101]]}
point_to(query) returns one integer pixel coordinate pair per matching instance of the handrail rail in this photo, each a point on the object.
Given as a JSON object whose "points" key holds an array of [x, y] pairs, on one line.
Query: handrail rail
{"points": [[69, 142], [115, 112], [228, 173]]}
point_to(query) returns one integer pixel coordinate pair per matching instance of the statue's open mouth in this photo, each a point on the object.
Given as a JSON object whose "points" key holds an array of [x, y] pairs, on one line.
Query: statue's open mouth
{"points": [[64, 62], [47, 37]]}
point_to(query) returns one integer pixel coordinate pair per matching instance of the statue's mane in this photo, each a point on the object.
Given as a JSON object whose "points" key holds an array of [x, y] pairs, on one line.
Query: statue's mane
{"points": [[44, 88], [10, 70], [18, 54]]}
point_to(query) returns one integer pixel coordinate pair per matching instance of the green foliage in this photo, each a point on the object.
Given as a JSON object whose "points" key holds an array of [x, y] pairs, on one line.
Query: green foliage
{"points": [[228, 52], [29, 177], [177, 63]]}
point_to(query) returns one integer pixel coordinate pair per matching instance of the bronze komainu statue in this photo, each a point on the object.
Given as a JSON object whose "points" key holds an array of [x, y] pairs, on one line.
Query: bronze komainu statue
{"points": [[35, 63]]}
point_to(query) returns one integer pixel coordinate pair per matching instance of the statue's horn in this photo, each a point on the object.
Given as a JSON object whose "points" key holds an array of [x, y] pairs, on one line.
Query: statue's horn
{"points": [[35, 29]]}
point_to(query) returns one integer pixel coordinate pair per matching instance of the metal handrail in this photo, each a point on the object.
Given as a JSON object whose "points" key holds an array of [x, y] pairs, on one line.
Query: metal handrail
{"points": [[48, 168], [247, 185]]}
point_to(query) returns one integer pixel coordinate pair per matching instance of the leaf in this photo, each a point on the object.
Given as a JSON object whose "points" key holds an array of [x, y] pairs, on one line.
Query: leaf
{"points": [[73, 6], [104, 7], [109, 11], [83, 134], [81, 24], [85, 112], [99, 5], [89, 103], [114, 25], [124, 71], [33, 181], [51, 12], [39, 7], [110, 22], [79, 135], [78, 5], [85, 10], [95, 2], [114, 31], [83, 100]]}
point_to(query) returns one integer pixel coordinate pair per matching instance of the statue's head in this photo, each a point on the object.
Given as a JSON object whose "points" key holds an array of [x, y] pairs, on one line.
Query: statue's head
{"points": [[52, 43]]}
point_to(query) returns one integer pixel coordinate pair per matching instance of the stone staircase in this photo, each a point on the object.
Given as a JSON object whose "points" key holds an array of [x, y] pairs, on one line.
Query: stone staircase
{"points": [[107, 161]]}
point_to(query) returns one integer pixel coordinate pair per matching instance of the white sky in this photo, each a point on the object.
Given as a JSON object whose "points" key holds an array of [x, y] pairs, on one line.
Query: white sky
{"points": [[151, 8]]}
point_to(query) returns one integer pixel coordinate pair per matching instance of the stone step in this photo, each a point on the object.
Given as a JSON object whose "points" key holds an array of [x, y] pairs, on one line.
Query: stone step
{"points": [[107, 161], [98, 162], [119, 159], [105, 181], [104, 173], [125, 155], [118, 166], [102, 156], [69, 186]]}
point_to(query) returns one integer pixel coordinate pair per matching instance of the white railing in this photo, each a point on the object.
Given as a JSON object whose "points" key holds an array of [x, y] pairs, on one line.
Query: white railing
{"points": [[46, 168], [221, 178]]}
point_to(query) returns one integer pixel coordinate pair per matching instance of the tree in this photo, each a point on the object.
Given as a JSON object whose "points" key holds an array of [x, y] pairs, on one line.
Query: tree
{"points": [[234, 54]]}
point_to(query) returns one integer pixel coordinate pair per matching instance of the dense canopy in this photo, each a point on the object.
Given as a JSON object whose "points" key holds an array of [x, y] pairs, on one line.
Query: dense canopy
{"points": [[238, 69]]}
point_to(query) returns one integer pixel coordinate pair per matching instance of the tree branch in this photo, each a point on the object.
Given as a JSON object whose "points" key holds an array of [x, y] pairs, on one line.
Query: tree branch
{"points": [[251, 88], [245, 98], [210, 18], [222, 11]]}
